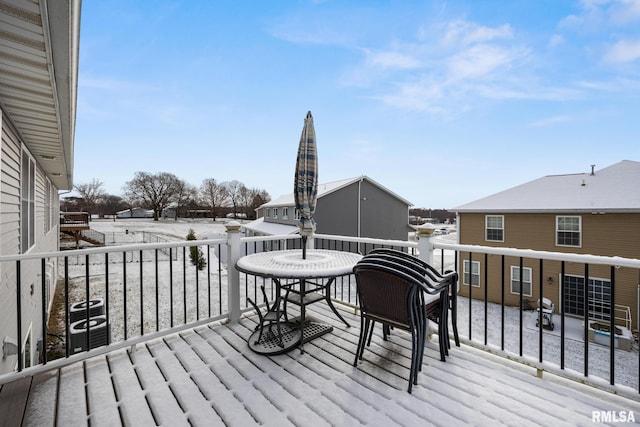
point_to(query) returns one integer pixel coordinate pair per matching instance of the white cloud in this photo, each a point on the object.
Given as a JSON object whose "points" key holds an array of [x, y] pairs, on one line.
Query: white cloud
{"points": [[479, 61], [461, 32], [623, 51], [419, 96], [624, 11], [392, 59], [550, 121], [556, 40]]}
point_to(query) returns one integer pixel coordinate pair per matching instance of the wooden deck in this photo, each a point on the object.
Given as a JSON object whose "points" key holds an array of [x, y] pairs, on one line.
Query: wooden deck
{"points": [[207, 377]]}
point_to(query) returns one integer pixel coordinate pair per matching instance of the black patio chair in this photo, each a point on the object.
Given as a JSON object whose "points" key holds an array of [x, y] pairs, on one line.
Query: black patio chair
{"points": [[392, 297], [451, 277], [433, 297]]}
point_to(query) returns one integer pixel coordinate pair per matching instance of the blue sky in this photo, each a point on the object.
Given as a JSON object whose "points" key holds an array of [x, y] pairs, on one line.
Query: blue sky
{"points": [[441, 102]]}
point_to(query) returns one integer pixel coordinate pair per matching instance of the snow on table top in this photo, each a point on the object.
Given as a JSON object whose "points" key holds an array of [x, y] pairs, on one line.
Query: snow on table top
{"points": [[290, 265]]}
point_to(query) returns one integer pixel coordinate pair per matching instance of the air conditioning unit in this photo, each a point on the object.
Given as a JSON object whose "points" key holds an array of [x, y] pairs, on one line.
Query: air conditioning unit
{"points": [[96, 327], [78, 310]]}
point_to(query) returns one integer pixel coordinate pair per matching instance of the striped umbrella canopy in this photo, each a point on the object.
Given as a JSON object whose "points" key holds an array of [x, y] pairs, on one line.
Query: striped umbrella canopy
{"points": [[305, 186]]}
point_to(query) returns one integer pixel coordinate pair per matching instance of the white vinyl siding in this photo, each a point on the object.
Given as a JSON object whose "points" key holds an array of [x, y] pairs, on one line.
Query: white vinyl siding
{"points": [[10, 194]]}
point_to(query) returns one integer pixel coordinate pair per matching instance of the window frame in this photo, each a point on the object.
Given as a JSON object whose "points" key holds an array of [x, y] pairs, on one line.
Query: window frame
{"points": [[599, 292], [465, 272], [578, 232], [285, 213], [487, 228], [514, 280], [27, 201]]}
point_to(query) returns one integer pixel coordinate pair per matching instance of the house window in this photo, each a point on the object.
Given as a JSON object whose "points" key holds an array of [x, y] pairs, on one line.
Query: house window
{"points": [[27, 196], [47, 206], [296, 214], [599, 297], [568, 229], [267, 213], [285, 213], [472, 277], [494, 228], [275, 212], [526, 280]]}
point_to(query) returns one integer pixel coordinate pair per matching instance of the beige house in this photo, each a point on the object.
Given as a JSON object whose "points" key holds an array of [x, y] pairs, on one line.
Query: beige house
{"points": [[595, 213]]}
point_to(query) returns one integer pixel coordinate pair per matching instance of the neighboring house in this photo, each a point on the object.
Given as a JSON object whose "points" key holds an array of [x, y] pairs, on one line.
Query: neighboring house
{"points": [[135, 213], [595, 213], [358, 207], [38, 81]]}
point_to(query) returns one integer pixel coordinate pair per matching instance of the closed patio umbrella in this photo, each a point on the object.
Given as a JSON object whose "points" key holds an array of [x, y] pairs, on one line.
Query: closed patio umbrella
{"points": [[305, 187]]}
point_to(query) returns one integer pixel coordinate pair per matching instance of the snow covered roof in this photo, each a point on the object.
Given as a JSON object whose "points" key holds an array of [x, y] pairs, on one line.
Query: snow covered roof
{"points": [[328, 188], [612, 189], [270, 228]]}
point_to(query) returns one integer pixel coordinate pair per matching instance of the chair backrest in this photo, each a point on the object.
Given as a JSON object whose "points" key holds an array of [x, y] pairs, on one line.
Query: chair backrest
{"points": [[412, 268], [451, 276], [386, 294]]}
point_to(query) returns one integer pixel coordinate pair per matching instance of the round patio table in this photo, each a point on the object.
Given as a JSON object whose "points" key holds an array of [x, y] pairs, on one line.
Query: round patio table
{"points": [[319, 264]]}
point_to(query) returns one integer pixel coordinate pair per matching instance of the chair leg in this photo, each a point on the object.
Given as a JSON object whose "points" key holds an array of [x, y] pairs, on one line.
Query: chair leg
{"points": [[370, 334], [453, 305], [361, 340]]}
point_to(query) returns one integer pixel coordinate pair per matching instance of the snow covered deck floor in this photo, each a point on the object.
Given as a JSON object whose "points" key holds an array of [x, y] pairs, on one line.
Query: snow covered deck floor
{"points": [[208, 376]]}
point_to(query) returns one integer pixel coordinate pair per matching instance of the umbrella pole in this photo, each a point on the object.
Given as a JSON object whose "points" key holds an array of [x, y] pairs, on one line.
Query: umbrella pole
{"points": [[304, 247]]}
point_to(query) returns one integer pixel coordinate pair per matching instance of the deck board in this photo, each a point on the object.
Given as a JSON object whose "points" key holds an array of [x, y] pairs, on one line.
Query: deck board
{"points": [[128, 389], [208, 376], [41, 407], [13, 402]]}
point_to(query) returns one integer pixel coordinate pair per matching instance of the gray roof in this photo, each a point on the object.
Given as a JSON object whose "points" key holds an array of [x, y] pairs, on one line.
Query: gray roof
{"points": [[612, 189], [328, 188]]}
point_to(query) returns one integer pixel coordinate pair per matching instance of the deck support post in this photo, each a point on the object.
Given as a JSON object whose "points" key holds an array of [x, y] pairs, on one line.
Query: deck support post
{"points": [[233, 278], [425, 242]]}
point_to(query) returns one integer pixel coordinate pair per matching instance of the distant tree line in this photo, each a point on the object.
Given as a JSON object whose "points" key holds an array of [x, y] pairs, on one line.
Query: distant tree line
{"points": [[164, 190], [420, 215]]}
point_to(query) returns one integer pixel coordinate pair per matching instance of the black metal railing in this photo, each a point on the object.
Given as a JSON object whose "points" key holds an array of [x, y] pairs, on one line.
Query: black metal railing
{"points": [[146, 292]]}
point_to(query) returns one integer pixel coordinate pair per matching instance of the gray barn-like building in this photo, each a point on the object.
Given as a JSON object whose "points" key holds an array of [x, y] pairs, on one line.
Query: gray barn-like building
{"points": [[357, 207]]}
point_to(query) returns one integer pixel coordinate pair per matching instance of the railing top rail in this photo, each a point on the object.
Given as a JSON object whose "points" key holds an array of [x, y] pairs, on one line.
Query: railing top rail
{"points": [[401, 243], [269, 238], [110, 249], [530, 253]]}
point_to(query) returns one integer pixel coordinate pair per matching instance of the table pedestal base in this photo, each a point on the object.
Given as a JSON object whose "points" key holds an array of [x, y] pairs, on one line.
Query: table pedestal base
{"points": [[313, 330], [269, 343]]}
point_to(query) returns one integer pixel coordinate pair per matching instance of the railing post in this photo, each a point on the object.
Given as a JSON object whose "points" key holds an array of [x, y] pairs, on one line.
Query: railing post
{"points": [[233, 254], [425, 242]]}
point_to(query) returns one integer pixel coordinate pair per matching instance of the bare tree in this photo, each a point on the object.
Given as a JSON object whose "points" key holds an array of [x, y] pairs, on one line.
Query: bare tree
{"points": [[153, 191], [234, 189], [91, 194], [257, 198], [111, 205], [213, 194], [185, 194]]}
